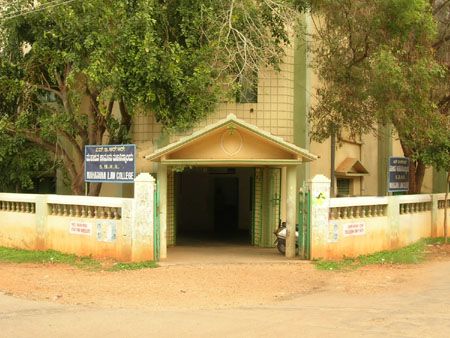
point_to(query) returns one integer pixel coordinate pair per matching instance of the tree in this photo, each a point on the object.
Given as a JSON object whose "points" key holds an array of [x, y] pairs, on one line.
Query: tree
{"points": [[377, 64], [439, 156], [81, 69]]}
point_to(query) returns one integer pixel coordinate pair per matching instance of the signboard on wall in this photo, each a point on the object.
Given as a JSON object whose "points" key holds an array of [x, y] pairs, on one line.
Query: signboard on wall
{"points": [[80, 228], [398, 175], [110, 163], [354, 229]]}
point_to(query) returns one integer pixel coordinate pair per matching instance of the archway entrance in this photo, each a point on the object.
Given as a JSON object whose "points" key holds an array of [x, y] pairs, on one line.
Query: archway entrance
{"points": [[214, 205]]}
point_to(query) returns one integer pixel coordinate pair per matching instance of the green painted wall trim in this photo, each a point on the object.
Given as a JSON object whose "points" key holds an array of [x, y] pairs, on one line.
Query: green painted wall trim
{"points": [[439, 181], [384, 151], [302, 92]]}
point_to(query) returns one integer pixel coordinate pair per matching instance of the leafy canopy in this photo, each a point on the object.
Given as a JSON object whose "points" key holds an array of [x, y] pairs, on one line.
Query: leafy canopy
{"points": [[76, 73], [377, 64]]}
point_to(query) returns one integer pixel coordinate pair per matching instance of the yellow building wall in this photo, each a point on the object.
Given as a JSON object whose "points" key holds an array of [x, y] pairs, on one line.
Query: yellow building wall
{"points": [[273, 112]]}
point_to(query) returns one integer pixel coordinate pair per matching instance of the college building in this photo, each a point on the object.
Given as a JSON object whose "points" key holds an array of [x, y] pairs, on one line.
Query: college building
{"points": [[237, 174]]}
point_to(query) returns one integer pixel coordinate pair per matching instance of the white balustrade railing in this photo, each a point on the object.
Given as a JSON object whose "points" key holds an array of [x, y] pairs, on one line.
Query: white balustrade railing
{"points": [[358, 207], [411, 204], [363, 207], [441, 201], [23, 203], [85, 206], [69, 206]]}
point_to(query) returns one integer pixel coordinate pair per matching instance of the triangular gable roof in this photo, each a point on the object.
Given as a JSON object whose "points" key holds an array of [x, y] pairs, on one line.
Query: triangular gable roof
{"points": [[351, 167], [251, 132]]}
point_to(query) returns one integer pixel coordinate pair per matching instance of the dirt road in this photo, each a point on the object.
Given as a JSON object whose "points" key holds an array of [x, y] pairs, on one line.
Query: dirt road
{"points": [[239, 300]]}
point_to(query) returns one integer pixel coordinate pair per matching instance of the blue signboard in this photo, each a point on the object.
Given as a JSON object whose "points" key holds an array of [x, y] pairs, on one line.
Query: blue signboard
{"points": [[398, 178], [110, 163]]}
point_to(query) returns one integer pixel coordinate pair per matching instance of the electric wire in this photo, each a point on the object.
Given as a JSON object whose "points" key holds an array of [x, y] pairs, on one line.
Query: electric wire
{"points": [[44, 6], [50, 4]]}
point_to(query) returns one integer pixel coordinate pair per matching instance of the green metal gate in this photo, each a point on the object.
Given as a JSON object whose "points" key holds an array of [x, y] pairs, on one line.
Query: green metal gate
{"points": [[304, 223], [257, 205], [266, 205], [274, 212]]}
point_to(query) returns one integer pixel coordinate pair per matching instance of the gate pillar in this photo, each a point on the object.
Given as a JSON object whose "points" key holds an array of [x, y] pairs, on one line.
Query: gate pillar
{"points": [[319, 188], [142, 218]]}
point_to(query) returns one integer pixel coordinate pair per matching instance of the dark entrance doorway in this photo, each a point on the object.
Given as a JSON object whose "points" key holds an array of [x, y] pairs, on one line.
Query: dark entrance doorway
{"points": [[214, 204]]}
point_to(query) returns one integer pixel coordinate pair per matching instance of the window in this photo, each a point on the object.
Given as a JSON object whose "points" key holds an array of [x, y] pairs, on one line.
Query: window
{"points": [[248, 88], [343, 187]]}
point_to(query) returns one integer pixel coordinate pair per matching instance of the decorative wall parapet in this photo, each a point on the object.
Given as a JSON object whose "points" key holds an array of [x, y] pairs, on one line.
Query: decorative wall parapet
{"points": [[362, 225], [104, 227]]}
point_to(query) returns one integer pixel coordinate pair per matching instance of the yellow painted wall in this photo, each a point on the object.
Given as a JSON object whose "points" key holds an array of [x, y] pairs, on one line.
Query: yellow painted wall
{"points": [[322, 164], [18, 230], [59, 238], [388, 223]]}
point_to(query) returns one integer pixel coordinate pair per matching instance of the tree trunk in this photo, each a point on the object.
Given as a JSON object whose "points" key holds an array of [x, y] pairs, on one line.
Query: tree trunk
{"points": [[94, 189], [416, 176], [419, 176], [446, 207], [78, 185], [416, 171]]}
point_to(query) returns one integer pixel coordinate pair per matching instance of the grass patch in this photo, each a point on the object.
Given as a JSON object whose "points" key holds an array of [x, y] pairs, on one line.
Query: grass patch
{"points": [[411, 254], [344, 264], [134, 266], [435, 241], [9, 255]]}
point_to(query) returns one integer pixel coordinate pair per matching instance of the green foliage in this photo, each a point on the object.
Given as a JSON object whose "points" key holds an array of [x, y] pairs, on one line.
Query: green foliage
{"points": [[435, 241], [76, 73], [22, 164], [133, 266], [377, 63], [169, 56], [9, 255], [411, 254]]}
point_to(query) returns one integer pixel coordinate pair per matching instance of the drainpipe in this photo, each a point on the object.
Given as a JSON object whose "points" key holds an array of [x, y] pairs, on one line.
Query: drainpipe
{"points": [[332, 164]]}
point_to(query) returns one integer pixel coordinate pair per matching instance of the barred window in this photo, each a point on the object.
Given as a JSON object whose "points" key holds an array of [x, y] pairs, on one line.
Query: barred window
{"points": [[248, 88]]}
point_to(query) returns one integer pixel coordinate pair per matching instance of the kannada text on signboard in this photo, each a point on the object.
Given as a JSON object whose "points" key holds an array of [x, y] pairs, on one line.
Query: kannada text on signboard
{"points": [[398, 174], [110, 163]]}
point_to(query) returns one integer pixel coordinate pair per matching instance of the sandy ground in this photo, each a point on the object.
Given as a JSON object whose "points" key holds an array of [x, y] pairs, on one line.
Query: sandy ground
{"points": [[190, 284], [228, 299]]}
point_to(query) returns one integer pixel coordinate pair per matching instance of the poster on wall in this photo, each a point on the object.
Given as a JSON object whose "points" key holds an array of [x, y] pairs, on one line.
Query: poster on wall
{"points": [[333, 232], [398, 175], [110, 163], [106, 231]]}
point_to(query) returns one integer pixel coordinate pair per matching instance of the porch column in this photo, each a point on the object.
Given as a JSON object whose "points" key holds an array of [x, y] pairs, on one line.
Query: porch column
{"points": [[291, 210], [162, 186]]}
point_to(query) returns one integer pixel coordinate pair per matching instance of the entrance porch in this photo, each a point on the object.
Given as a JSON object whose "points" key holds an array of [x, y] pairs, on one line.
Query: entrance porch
{"points": [[230, 181]]}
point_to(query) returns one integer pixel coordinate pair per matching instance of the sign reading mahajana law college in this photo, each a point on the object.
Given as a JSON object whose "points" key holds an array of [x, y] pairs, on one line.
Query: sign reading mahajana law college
{"points": [[398, 174], [110, 163]]}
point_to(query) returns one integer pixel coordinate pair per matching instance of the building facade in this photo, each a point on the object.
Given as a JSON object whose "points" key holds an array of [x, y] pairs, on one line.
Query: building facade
{"points": [[237, 174]]}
